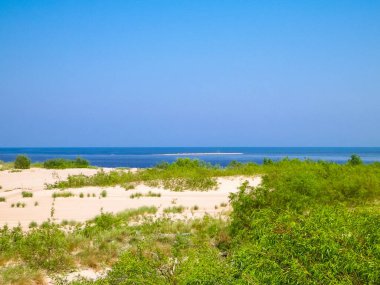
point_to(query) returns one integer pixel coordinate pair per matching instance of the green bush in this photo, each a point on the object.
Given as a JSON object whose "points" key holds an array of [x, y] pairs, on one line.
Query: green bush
{"points": [[61, 163], [63, 194], [22, 162], [26, 194], [47, 248], [355, 160]]}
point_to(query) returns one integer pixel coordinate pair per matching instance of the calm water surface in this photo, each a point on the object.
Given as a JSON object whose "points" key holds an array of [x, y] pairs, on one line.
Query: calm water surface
{"points": [[150, 156]]}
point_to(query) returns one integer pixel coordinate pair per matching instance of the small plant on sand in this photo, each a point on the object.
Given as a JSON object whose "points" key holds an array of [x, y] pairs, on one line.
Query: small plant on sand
{"points": [[195, 208], [35, 204], [26, 194], [149, 194], [81, 195], [136, 195], [63, 194], [152, 194], [223, 205], [128, 186], [22, 162], [174, 210], [20, 205], [103, 194], [2, 199]]}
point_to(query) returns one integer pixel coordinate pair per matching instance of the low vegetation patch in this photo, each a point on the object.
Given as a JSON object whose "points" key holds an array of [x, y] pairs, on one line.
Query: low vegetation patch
{"points": [[6, 165], [60, 163], [183, 174], [149, 194], [136, 195], [2, 199], [62, 194], [18, 205], [26, 194], [174, 210]]}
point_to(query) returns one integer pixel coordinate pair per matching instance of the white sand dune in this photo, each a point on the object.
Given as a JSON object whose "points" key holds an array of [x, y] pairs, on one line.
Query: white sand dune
{"points": [[118, 199]]}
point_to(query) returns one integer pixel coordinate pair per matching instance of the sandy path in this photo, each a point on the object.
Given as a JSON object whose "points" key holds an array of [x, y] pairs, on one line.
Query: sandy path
{"points": [[82, 209]]}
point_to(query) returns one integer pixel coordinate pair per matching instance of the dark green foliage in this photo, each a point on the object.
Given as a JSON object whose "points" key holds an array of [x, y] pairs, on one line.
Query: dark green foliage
{"points": [[61, 163], [2, 199], [355, 160], [22, 162], [103, 193], [26, 194], [267, 161], [308, 223]]}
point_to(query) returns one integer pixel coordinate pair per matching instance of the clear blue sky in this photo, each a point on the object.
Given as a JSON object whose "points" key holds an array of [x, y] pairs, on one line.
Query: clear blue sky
{"points": [[190, 73]]}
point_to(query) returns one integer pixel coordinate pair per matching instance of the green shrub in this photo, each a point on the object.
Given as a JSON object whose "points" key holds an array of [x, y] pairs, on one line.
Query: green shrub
{"points": [[60, 163], [22, 162], [63, 194], [33, 224], [2, 199], [26, 194], [19, 205], [46, 248], [355, 160], [136, 195]]}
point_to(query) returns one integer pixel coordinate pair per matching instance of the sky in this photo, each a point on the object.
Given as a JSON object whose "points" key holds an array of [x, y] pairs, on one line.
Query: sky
{"points": [[189, 73]]}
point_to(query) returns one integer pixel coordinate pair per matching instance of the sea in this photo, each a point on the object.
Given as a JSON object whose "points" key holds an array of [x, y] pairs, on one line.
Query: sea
{"points": [[143, 157]]}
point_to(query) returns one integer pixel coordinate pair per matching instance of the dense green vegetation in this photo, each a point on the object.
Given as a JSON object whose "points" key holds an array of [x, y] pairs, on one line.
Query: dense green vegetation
{"points": [[22, 162], [307, 223], [183, 174], [54, 248], [61, 163]]}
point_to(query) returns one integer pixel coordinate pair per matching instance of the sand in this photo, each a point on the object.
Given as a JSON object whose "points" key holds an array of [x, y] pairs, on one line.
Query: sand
{"points": [[118, 199]]}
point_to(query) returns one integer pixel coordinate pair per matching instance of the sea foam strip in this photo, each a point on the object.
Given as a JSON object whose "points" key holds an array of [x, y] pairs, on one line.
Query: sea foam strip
{"points": [[202, 153]]}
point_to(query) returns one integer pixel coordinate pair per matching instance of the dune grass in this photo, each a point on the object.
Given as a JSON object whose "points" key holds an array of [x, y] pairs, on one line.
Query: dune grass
{"points": [[174, 210], [6, 165], [183, 174], [149, 194]]}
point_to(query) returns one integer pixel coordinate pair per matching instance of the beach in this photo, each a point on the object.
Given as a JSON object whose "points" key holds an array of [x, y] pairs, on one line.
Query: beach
{"points": [[19, 210]]}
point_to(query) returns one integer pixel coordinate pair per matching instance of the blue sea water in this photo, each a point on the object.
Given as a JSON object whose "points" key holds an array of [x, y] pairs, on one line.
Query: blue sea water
{"points": [[150, 156]]}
